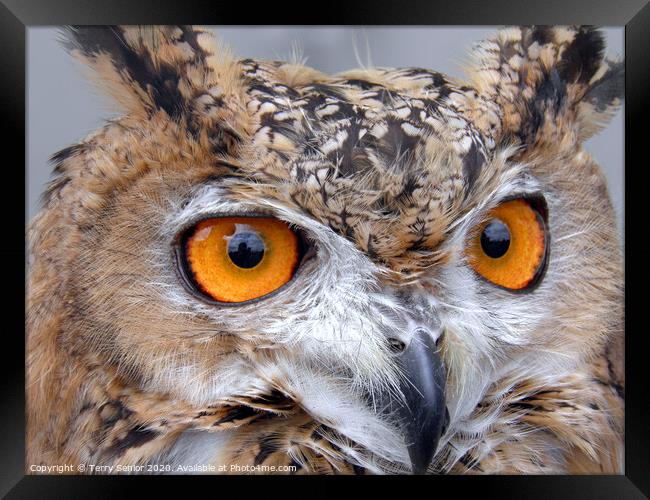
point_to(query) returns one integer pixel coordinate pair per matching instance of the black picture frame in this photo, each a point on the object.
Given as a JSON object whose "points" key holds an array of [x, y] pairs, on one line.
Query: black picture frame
{"points": [[17, 15]]}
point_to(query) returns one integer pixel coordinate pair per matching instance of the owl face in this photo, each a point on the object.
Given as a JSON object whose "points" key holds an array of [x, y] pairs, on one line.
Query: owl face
{"points": [[385, 249]]}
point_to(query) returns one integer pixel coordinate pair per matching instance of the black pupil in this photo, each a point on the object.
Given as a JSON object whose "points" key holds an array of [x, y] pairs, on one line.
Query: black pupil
{"points": [[495, 239], [246, 249]]}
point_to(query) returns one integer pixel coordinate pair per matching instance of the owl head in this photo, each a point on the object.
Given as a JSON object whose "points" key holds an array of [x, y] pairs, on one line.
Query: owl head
{"points": [[388, 253]]}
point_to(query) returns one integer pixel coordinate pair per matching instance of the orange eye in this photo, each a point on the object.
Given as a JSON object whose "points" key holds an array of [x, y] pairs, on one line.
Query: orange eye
{"points": [[235, 259], [509, 248]]}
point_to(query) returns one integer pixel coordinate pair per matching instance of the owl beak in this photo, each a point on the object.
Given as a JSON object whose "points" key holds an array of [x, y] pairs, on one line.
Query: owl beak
{"points": [[422, 413]]}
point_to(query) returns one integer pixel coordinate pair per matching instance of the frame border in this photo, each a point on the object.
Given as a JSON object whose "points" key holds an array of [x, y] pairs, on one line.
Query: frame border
{"points": [[17, 16]]}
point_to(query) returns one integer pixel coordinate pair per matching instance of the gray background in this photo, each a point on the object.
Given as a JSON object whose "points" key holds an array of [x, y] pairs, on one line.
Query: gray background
{"points": [[63, 106]]}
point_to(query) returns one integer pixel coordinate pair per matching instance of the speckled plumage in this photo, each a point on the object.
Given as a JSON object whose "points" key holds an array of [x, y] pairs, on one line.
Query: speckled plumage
{"points": [[387, 171]]}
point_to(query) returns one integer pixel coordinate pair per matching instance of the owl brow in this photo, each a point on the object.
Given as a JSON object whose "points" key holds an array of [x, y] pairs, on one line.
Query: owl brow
{"points": [[521, 186], [211, 201]]}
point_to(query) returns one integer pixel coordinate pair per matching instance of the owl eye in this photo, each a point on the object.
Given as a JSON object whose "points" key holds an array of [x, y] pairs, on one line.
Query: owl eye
{"points": [[236, 259], [509, 248]]}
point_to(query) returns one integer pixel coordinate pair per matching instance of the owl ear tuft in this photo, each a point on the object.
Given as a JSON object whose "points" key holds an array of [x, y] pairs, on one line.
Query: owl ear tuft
{"points": [[138, 66], [602, 99], [548, 81], [181, 70]]}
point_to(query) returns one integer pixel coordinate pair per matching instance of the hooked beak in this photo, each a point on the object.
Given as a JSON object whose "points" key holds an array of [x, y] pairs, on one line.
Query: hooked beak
{"points": [[422, 413]]}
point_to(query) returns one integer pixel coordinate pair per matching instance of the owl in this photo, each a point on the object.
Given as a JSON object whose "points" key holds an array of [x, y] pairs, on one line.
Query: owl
{"points": [[261, 268]]}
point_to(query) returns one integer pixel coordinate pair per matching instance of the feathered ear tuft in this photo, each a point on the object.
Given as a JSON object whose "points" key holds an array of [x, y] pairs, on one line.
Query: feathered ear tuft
{"points": [[603, 97], [181, 70], [548, 82], [143, 68]]}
